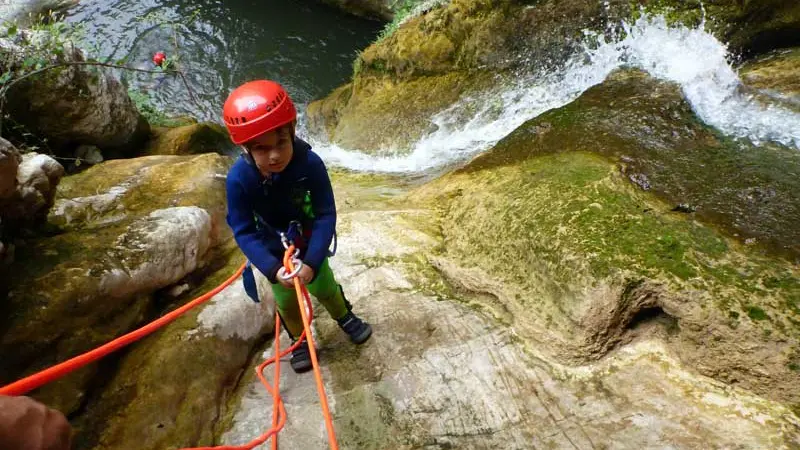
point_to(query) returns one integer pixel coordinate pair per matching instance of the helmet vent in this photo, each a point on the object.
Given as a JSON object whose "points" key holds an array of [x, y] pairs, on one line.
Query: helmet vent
{"points": [[244, 119]]}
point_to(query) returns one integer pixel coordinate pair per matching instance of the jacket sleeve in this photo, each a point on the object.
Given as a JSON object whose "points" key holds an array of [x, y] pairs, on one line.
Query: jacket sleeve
{"points": [[324, 207], [250, 240]]}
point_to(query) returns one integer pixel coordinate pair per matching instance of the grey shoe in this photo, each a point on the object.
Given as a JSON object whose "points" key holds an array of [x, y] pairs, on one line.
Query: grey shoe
{"points": [[358, 330], [301, 358]]}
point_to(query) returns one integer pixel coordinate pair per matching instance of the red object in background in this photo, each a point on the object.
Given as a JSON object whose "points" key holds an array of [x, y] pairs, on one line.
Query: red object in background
{"points": [[159, 58]]}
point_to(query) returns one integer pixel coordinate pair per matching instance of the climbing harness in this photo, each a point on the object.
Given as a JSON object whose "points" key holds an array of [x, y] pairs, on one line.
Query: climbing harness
{"points": [[291, 266], [294, 235]]}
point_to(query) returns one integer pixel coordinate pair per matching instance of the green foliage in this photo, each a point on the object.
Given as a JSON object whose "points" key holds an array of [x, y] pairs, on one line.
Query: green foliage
{"points": [[44, 44], [756, 313], [358, 64], [156, 117], [403, 11]]}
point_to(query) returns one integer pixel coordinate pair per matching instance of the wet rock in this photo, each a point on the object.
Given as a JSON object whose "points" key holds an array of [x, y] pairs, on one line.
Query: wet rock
{"points": [[774, 78], [128, 229], [684, 208], [26, 12], [73, 105], [375, 9], [190, 139]]}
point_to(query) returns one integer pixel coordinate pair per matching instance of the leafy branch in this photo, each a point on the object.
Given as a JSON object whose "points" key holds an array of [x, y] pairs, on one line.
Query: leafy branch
{"points": [[11, 82]]}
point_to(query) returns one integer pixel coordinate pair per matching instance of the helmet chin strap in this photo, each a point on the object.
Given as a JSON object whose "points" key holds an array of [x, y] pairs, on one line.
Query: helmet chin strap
{"points": [[247, 156]]}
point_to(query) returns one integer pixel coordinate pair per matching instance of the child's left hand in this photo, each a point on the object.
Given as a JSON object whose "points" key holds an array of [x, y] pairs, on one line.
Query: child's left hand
{"points": [[306, 274]]}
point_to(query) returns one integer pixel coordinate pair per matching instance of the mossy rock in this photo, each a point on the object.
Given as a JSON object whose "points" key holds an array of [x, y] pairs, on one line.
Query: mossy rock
{"points": [[191, 139], [118, 190], [449, 52], [372, 9], [384, 115], [435, 59], [120, 231], [553, 236], [748, 27], [650, 129], [775, 76], [171, 389]]}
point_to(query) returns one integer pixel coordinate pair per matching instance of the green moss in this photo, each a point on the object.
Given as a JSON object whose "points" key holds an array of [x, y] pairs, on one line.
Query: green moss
{"points": [[756, 313], [652, 132], [170, 387], [352, 113], [595, 215], [189, 139]]}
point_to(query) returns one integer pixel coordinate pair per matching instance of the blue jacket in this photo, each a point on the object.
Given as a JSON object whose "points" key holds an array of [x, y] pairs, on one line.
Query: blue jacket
{"points": [[260, 207]]}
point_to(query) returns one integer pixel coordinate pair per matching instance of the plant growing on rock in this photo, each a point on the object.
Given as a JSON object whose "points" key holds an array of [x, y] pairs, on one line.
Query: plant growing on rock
{"points": [[45, 50]]}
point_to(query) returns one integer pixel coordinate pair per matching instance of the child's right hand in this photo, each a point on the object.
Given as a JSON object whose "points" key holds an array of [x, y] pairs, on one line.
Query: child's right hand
{"points": [[286, 283]]}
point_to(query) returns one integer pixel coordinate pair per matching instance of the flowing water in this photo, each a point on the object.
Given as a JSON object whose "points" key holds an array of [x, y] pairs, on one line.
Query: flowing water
{"points": [[310, 49], [690, 57]]}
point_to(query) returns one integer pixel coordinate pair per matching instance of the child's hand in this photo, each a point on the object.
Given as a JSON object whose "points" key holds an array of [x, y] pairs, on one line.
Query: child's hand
{"points": [[28, 424], [306, 274], [286, 283]]}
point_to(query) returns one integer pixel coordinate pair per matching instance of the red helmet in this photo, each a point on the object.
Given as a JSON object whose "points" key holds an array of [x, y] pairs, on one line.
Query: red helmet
{"points": [[255, 108]]}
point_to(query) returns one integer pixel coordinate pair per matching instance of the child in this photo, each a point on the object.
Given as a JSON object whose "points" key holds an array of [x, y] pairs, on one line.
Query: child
{"points": [[280, 185]]}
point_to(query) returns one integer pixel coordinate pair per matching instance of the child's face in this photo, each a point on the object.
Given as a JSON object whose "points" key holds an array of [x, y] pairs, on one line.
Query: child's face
{"points": [[272, 151]]}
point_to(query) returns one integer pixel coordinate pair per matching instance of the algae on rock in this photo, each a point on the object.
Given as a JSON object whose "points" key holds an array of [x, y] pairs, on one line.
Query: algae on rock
{"points": [[170, 390], [190, 139], [469, 46], [128, 228], [579, 257]]}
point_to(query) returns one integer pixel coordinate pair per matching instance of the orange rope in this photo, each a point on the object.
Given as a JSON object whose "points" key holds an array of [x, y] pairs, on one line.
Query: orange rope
{"points": [[278, 408], [276, 401], [51, 374], [58, 371], [302, 294]]}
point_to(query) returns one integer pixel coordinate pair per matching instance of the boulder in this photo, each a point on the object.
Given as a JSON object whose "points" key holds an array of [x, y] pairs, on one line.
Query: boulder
{"points": [[74, 104], [586, 260], [28, 192], [28, 12], [128, 229], [171, 389], [189, 139]]}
